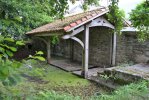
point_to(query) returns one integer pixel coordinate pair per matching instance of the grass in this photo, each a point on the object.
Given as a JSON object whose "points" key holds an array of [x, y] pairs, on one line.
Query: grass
{"points": [[134, 91], [62, 78], [48, 80], [45, 82]]}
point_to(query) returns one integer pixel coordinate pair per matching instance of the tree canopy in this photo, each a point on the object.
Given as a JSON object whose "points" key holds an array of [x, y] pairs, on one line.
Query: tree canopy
{"points": [[140, 19], [18, 17]]}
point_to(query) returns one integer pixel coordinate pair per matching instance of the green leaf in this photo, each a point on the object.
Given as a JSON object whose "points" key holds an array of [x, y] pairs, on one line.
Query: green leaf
{"points": [[20, 43], [9, 53], [9, 39], [39, 58], [13, 49], [39, 53], [1, 38], [18, 18]]}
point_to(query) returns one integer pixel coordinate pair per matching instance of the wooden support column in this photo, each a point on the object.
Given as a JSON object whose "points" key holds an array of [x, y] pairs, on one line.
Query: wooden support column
{"points": [[48, 50], [114, 49], [86, 52]]}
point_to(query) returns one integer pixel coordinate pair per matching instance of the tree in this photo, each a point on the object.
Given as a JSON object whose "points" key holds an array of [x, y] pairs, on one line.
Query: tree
{"points": [[140, 19], [20, 16], [116, 16]]}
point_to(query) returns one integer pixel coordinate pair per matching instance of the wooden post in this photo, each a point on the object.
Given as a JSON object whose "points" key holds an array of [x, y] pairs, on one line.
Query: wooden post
{"points": [[48, 50], [114, 50], [71, 49], [86, 51]]}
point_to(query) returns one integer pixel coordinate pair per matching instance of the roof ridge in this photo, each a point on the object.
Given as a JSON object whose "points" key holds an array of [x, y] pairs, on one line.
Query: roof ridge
{"points": [[74, 14]]}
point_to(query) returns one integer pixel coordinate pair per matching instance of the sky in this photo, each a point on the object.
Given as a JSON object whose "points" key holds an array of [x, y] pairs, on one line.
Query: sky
{"points": [[128, 5]]}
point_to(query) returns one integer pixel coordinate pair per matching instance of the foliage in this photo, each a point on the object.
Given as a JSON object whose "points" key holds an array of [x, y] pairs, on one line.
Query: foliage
{"points": [[18, 17], [8, 67], [8, 46], [116, 15], [133, 91], [55, 96], [55, 39], [37, 56], [140, 19]]}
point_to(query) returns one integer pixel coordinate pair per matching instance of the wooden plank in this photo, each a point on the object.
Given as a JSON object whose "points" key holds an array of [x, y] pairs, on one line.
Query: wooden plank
{"points": [[48, 50], [78, 40], [86, 51], [111, 48], [74, 32], [101, 21], [48, 34], [114, 49]]}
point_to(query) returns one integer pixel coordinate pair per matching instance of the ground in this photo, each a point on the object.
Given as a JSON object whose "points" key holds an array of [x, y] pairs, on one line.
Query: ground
{"points": [[49, 78], [40, 81]]}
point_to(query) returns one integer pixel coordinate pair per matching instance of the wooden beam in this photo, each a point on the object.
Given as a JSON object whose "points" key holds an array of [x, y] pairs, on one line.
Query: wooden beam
{"points": [[78, 40], [86, 51], [74, 32], [48, 34], [48, 50], [88, 21], [101, 21], [114, 49]]}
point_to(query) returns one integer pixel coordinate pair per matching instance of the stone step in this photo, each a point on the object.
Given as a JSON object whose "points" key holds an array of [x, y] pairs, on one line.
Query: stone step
{"points": [[105, 82], [121, 76]]}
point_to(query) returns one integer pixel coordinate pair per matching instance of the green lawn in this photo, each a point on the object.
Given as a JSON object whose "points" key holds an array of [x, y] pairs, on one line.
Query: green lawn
{"points": [[62, 78]]}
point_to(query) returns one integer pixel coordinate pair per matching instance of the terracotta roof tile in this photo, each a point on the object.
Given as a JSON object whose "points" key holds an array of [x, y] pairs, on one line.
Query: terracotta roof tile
{"points": [[66, 23], [84, 19], [88, 17], [73, 24], [78, 21], [67, 28], [94, 14]]}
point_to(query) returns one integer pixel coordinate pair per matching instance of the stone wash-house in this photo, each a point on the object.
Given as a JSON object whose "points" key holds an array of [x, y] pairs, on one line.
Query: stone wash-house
{"points": [[89, 38]]}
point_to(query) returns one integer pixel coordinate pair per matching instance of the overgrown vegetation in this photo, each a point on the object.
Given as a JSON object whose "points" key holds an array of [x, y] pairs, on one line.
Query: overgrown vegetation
{"points": [[140, 19], [8, 66], [129, 92], [35, 86], [116, 16]]}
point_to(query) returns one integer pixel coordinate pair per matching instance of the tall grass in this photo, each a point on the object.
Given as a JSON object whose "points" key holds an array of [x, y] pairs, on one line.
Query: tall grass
{"points": [[133, 91]]}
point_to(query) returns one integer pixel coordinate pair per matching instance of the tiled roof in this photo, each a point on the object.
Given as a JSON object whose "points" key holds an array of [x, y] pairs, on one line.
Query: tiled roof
{"points": [[68, 22]]}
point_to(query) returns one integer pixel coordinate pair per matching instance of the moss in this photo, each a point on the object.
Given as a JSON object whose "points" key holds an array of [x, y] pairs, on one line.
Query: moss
{"points": [[63, 78]]}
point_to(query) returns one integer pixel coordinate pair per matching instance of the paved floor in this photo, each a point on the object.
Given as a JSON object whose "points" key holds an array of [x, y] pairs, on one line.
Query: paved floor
{"points": [[141, 70], [74, 67]]}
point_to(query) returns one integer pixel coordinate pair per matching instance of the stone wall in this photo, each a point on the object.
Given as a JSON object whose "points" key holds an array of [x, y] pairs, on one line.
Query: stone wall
{"points": [[99, 44], [62, 49], [128, 48]]}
